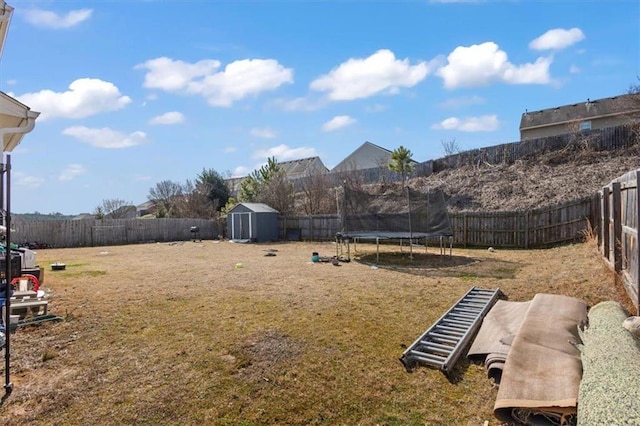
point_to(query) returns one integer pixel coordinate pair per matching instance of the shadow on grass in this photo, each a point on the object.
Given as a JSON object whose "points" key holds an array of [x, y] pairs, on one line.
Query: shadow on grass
{"points": [[435, 265]]}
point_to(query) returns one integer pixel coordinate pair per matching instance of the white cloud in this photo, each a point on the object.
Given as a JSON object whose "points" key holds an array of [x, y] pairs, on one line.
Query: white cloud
{"points": [[240, 171], [71, 172], [284, 153], [556, 39], [173, 117], [27, 181], [175, 75], [230, 149], [105, 137], [47, 19], [239, 79], [482, 64], [361, 78], [300, 104], [485, 123], [574, 69], [85, 97], [264, 133], [338, 122], [462, 101]]}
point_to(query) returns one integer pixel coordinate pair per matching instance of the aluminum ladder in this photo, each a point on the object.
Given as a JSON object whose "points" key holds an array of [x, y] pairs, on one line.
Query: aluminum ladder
{"points": [[443, 343]]}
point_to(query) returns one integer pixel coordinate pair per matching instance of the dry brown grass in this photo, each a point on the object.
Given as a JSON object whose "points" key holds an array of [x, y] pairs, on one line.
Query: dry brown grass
{"points": [[176, 334]]}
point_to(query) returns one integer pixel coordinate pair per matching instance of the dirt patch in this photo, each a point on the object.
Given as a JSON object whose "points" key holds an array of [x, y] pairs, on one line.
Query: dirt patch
{"points": [[263, 355]]}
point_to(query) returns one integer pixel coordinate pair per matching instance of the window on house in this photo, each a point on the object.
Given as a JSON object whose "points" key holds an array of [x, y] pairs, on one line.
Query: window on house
{"points": [[585, 125]]}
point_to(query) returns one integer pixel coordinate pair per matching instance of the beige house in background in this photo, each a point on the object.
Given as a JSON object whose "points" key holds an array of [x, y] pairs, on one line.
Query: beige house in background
{"points": [[589, 115], [366, 156]]}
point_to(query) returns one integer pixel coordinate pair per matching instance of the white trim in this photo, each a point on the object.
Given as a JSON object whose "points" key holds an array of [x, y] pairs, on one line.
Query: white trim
{"points": [[6, 12]]}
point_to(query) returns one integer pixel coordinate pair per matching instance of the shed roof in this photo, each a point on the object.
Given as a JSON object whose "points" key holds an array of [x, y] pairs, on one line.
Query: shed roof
{"points": [[256, 208], [591, 109]]}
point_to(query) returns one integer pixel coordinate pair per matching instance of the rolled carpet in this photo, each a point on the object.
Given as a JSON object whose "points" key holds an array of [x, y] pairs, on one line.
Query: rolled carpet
{"points": [[609, 392], [542, 371], [494, 338]]}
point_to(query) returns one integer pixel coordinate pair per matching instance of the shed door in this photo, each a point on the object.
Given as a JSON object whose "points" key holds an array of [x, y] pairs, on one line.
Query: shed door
{"points": [[241, 226]]}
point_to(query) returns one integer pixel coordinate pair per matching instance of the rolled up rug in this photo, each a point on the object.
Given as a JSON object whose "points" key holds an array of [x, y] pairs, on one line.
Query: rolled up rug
{"points": [[493, 341], [542, 371], [610, 388]]}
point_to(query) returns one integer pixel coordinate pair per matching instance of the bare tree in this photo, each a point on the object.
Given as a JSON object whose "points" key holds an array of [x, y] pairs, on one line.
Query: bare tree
{"points": [[316, 193], [114, 208], [450, 147], [164, 195], [193, 202], [278, 193], [634, 107], [349, 175]]}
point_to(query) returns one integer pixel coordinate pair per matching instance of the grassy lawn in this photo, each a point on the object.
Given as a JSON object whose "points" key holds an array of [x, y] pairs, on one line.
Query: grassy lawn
{"points": [[219, 333]]}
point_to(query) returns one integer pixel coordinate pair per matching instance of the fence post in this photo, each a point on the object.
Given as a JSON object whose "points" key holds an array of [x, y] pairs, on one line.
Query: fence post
{"points": [[465, 229], [606, 224], [596, 217], [526, 230], [617, 226], [637, 246]]}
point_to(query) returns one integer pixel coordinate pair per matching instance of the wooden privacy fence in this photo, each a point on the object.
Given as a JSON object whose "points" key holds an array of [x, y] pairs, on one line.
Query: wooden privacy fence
{"points": [[542, 227], [107, 232], [309, 228], [617, 212], [527, 229]]}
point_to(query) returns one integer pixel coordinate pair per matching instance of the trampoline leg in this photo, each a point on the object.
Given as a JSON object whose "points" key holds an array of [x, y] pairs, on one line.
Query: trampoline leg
{"points": [[377, 250]]}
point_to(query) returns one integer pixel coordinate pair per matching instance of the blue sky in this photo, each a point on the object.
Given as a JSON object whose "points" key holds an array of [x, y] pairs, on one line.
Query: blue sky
{"points": [[132, 93]]}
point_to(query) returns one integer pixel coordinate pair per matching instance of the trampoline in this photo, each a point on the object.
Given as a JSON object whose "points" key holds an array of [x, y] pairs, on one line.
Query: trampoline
{"points": [[403, 214]]}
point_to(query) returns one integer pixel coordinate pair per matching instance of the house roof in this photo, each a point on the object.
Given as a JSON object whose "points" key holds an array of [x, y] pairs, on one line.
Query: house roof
{"points": [[16, 120], [257, 207], [591, 109], [146, 205], [366, 156], [295, 168]]}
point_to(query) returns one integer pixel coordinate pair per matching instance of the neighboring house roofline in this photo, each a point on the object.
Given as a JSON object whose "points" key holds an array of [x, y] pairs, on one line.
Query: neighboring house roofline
{"points": [[374, 145], [613, 114], [605, 108]]}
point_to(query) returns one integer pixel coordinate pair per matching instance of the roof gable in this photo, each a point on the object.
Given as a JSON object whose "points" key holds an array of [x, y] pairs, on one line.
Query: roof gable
{"points": [[617, 105], [253, 207], [366, 156], [298, 168]]}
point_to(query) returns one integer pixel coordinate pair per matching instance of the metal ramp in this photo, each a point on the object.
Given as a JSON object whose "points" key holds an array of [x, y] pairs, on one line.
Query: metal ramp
{"points": [[443, 343]]}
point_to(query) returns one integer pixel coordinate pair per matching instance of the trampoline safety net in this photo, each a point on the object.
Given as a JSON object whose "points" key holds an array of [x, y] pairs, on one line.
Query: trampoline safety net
{"points": [[402, 213]]}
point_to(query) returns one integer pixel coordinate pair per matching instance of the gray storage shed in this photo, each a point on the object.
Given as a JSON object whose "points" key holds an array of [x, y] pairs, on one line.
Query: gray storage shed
{"points": [[252, 222]]}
